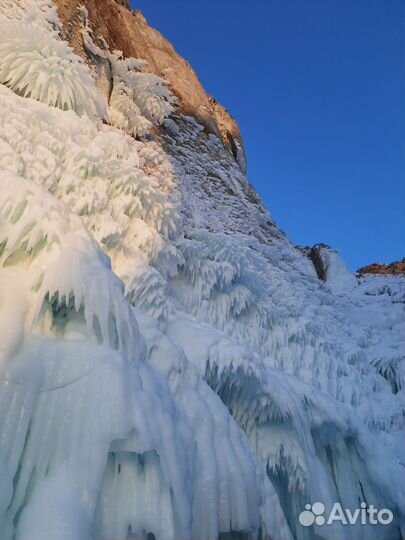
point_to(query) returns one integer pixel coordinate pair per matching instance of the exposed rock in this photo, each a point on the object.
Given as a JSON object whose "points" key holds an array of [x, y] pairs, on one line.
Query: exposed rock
{"points": [[124, 3], [216, 169], [230, 133], [129, 32], [395, 268], [314, 254], [331, 268]]}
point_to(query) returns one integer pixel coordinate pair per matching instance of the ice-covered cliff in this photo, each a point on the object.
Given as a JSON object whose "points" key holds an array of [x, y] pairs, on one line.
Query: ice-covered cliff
{"points": [[171, 366]]}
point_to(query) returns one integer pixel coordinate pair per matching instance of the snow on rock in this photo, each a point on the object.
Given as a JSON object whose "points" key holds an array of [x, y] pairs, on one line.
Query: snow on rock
{"points": [[333, 269], [137, 100], [35, 63], [169, 363]]}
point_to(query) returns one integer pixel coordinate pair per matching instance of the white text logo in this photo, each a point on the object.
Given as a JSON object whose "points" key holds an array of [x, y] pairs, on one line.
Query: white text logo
{"points": [[365, 515]]}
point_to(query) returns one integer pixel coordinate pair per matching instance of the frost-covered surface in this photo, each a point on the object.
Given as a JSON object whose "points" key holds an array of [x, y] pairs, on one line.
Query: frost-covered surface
{"points": [[35, 63], [137, 101], [334, 269], [169, 362]]}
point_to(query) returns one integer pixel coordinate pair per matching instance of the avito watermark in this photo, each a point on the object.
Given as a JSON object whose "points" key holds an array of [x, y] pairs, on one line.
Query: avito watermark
{"points": [[365, 515]]}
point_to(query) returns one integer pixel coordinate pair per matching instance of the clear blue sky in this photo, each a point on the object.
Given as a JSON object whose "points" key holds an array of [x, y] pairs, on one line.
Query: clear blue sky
{"points": [[317, 87]]}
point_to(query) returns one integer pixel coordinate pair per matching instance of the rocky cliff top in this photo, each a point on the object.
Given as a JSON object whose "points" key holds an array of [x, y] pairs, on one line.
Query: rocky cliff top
{"points": [[129, 32], [395, 268]]}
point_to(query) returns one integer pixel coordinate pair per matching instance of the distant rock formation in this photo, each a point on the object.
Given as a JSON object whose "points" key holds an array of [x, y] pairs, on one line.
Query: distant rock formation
{"points": [[396, 268]]}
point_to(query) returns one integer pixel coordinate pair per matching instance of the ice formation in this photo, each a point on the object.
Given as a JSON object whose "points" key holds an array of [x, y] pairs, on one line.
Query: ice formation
{"points": [[171, 365], [36, 63]]}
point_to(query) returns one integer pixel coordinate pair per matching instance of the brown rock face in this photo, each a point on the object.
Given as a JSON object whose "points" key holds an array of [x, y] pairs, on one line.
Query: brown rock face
{"points": [[396, 268], [316, 258], [129, 32], [124, 3], [315, 255]]}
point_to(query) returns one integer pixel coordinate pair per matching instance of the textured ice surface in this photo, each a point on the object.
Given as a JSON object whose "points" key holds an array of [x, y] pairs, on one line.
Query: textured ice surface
{"points": [[169, 362]]}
